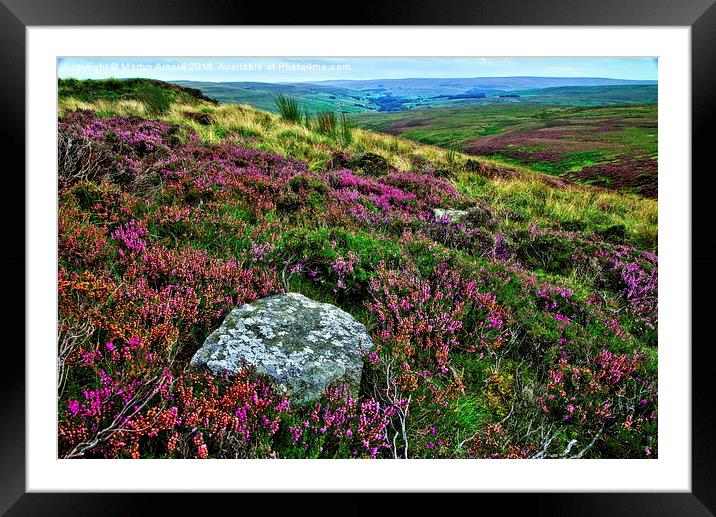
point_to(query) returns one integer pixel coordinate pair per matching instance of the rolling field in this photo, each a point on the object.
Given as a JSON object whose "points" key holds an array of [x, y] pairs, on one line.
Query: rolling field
{"points": [[608, 146], [597, 134]]}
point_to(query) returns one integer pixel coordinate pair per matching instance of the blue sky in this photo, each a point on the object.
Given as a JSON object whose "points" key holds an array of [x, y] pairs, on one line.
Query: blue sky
{"points": [[318, 69]]}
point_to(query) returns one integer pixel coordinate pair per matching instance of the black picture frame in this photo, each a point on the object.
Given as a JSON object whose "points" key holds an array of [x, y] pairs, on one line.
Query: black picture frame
{"points": [[699, 15]]}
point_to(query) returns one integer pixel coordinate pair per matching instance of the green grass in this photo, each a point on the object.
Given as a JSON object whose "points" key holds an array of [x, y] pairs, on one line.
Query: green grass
{"points": [[288, 108], [346, 129], [326, 122], [313, 97], [156, 95]]}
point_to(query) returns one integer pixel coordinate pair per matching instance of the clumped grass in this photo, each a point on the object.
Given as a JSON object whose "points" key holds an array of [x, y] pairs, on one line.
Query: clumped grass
{"points": [[595, 208], [288, 107], [326, 122], [346, 129], [451, 156], [157, 100], [307, 118]]}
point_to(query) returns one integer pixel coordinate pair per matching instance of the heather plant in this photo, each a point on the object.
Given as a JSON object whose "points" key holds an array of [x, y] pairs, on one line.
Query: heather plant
{"points": [[605, 395], [340, 426]]}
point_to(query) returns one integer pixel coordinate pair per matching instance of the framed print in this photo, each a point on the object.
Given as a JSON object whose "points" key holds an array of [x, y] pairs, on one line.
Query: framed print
{"points": [[446, 252]]}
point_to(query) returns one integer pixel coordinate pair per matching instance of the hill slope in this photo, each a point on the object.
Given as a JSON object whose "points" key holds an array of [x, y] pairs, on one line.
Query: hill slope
{"points": [[526, 330], [611, 146]]}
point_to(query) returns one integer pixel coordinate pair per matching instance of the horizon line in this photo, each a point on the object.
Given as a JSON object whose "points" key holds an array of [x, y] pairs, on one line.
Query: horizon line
{"points": [[400, 79]]}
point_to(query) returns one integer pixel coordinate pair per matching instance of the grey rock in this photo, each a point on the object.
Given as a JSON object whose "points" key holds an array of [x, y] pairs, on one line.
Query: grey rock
{"points": [[302, 345], [474, 216], [455, 216]]}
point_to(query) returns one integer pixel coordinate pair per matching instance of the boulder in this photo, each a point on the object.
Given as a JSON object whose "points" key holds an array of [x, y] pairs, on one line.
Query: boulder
{"points": [[301, 345], [474, 216], [455, 216]]}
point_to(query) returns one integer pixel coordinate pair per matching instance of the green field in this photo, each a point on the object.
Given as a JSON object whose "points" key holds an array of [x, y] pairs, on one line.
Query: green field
{"points": [[609, 146], [313, 97]]}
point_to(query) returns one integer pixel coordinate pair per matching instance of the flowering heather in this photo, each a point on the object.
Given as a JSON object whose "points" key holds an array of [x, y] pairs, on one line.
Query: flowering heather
{"points": [[423, 320], [638, 282], [603, 393], [132, 236], [512, 338], [341, 423]]}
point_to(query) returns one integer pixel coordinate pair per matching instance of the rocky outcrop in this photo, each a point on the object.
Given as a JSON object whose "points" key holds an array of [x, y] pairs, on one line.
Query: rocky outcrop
{"points": [[302, 345]]}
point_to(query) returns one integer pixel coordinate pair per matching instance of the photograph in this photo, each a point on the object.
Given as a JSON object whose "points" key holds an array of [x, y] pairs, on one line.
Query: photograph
{"points": [[365, 258]]}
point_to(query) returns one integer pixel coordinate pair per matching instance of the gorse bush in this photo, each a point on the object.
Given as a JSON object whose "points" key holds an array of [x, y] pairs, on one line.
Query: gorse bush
{"points": [[530, 333]]}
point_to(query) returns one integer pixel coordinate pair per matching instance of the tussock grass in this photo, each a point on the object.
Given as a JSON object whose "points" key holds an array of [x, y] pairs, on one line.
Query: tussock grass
{"points": [[346, 131], [596, 208], [326, 122], [288, 107]]}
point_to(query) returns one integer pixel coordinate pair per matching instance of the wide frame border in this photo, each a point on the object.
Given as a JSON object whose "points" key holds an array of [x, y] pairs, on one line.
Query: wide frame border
{"points": [[700, 15]]}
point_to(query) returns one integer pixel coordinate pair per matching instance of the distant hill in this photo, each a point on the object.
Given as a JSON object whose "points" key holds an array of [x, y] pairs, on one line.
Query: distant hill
{"points": [[389, 95], [462, 85], [260, 95], [590, 95]]}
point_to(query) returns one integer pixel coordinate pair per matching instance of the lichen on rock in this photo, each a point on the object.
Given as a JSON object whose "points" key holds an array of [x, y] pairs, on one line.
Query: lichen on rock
{"points": [[302, 345]]}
